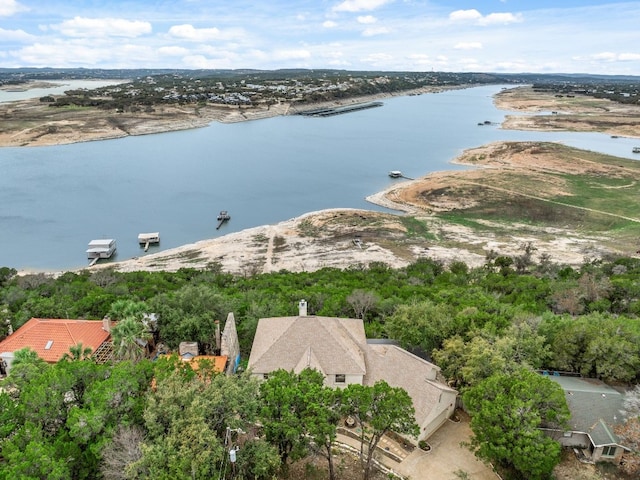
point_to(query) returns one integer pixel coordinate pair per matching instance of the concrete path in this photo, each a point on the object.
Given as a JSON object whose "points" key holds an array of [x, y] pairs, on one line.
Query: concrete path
{"points": [[447, 459]]}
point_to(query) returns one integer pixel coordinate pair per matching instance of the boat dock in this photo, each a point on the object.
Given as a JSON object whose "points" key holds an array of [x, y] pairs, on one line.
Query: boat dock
{"points": [[102, 248], [147, 239], [398, 174], [330, 111], [222, 218]]}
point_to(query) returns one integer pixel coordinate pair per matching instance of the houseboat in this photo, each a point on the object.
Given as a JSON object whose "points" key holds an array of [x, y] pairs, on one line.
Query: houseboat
{"points": [[146, 239], [103, 248], [395, 174]]}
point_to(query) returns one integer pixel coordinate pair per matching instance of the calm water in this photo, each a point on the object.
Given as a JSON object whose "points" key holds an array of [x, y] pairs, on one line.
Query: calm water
{"points": [[54, 200], [57, 87]]}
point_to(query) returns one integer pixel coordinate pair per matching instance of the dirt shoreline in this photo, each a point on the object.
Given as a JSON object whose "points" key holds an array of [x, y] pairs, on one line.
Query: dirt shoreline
{"points": [[30, 123], [346, 237]]}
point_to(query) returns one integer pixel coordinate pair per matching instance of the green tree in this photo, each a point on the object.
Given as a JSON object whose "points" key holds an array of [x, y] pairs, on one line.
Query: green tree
{"points": [[127, 336], [421, 325], [507, 411], [378, 409], [258, 460], [77, 352], [285, 398], [321, 418]]}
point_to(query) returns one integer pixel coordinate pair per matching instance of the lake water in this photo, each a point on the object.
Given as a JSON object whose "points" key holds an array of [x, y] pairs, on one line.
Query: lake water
{"points": [[57, 87], [54, 200]]}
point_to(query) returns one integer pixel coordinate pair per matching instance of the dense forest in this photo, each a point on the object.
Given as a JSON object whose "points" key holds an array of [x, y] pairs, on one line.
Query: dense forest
{"points": [[482, 326]]}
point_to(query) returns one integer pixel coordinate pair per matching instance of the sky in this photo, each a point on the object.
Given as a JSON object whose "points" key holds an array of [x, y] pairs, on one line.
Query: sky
{"points": [[502, 36]]}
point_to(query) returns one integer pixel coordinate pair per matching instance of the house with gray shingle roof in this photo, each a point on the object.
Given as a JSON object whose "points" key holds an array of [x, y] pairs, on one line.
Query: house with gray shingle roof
{"points": [[596, 408], [339, 349]]}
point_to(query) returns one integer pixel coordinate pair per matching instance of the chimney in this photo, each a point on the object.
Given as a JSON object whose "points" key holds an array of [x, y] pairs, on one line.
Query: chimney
{"points": [[218, 340], [106, 324], [302, 308]]}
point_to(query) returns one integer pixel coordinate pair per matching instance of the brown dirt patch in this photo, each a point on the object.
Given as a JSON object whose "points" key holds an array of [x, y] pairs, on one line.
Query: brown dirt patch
{"points": [[314, 467], [579, 113]]}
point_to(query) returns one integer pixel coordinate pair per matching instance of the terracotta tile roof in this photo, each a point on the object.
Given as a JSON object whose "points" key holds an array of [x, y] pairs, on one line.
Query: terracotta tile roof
{"points": [[57, 334], [218, 362]]}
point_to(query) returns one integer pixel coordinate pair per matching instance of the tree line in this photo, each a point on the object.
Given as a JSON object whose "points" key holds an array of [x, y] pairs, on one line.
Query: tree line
{"points": [[488, 328]]}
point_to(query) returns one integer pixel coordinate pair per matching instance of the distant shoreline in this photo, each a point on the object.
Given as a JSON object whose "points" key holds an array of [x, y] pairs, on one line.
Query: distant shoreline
{"points": [[33, 124], [234, 250]]}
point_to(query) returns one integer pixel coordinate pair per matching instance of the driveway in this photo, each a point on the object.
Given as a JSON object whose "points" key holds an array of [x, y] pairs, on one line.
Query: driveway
{"points": [[447, 459]]}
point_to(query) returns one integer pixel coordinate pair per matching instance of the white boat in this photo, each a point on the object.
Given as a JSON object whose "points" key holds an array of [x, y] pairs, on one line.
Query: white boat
{"points": [[395, 174], [102, 248], [636, 150], [145, 238]]}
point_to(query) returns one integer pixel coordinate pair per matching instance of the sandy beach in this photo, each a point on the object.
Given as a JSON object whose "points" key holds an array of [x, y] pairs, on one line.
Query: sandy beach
{"points": [[347, 238]]}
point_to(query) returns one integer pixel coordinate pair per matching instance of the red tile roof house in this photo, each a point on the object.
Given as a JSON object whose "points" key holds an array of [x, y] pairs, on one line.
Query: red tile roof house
{"points": [[51, 338]]}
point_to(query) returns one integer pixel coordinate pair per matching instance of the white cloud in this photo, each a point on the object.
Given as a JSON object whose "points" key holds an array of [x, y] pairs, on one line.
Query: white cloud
{"points": [[367, 19], [15, 35], [299, 54], [371, 31], [614, 57], [474, 16], [102, 27], [189, 32], [500, 18], [9, 7], [359, 5], [200, 61], [173, 51], [468, 45], [329, 24], [377, 58], [465, 15], [625, 57]]}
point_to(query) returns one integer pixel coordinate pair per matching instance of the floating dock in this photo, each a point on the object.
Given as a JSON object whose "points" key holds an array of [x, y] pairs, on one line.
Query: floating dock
{"points": [[148, 239], [222, 218], [330, 111], [102, 248], [398, 174]]}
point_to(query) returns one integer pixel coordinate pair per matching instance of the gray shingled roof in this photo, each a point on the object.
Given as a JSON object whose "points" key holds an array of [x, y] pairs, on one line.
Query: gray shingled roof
{"points": [[331, 345], [595, 408]]}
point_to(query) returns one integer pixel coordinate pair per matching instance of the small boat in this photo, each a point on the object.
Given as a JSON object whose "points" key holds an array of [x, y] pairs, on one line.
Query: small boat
{"points": [[395, 174], [636, 150], [103, 248]]}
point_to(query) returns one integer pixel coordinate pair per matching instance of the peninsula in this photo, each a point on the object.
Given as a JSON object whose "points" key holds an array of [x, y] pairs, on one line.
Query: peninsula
{"points": [[563, 205]]}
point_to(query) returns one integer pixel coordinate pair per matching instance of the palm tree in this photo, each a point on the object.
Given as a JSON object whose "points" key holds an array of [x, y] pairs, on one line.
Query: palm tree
{"points": [[127, 335], [77, 352], [121, 309]]}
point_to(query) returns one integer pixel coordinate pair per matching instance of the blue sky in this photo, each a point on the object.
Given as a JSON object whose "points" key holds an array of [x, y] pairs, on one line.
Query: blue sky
{"points": [[544, 36]]}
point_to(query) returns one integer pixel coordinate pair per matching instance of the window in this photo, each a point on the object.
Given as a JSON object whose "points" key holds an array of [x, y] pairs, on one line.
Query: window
{"points": [[265, 376], [340, 378], [609, 451]]}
